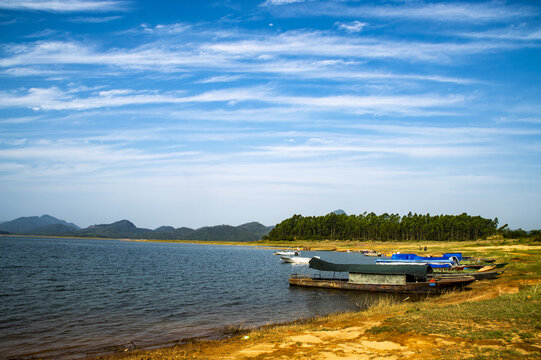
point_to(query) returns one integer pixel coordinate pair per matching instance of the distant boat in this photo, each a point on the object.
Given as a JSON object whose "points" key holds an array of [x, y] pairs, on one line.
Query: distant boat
{"points": [[381, 278], [288, 252], [296, 259]]}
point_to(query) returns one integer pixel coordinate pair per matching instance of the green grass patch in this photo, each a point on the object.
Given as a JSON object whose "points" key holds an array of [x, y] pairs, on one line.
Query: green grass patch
{"points": [[490, 354], [506, 317]]}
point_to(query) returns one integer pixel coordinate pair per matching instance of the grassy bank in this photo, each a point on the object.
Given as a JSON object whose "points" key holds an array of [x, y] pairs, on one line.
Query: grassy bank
{"points": [[494, 319]]}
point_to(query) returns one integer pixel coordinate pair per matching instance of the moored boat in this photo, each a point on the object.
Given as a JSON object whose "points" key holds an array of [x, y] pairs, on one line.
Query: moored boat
{"points": [[295, 259], [380, 278], [446, 261], [288, 252], [429, 287], [484, 273]]}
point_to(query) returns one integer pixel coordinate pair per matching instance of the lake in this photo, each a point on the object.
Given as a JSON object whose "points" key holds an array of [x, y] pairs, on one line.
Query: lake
{"points": [[70, 298]]}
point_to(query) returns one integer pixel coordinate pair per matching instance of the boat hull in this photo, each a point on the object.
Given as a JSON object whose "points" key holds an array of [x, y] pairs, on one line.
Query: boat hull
{"points": [[484, 275], [437, 286], [295, 259]]}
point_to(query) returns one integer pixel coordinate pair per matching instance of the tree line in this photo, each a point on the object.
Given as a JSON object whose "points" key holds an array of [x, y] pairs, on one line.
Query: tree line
{"points": [[369, 226]]}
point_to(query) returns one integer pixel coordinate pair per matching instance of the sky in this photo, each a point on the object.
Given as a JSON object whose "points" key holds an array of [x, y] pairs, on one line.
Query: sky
{"points": [[197, 113]]}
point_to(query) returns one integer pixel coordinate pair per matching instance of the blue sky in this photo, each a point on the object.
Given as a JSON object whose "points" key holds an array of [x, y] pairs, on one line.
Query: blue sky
{"points": [[189, 113]]}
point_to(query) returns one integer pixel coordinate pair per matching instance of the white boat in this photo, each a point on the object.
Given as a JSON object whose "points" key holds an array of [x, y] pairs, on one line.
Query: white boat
{"points": [[296, 259], [288, 252]]}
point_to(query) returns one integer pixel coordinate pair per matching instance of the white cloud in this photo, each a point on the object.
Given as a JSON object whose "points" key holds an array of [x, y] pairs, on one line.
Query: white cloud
{"points": [[320, 44], [170, 29], [62, 5], [221, 78], [290, 52], [459, 12], [506, 34], [484, 12], [35, 71], [352, 27], [56, 99], [281, 2], [96, 156], [20, 120], [42, 34], [95, 20]]}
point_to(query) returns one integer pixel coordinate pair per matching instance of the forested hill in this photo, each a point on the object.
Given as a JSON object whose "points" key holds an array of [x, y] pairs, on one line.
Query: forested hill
{"points": [[384, 227]]}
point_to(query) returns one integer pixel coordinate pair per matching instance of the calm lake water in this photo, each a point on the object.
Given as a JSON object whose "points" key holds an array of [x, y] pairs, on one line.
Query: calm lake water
{"points": [[74, 297]]}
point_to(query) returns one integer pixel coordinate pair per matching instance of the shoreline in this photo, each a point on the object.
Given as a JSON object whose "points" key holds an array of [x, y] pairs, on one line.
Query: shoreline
{"points": [[351, 333], [384, 247]]}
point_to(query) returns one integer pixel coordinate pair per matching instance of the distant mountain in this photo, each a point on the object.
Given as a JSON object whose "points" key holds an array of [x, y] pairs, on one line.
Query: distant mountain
{"points": [[339, 212], [119, 229], [256, 228], [28, 224], [53, 230], [223, 233], [170, 233], [47, 225], [164, 229]]}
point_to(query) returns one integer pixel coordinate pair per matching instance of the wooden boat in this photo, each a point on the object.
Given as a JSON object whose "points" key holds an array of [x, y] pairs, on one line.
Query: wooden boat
{"points": [[428, 287], [480, 266], [485, 273], [380, 278]]}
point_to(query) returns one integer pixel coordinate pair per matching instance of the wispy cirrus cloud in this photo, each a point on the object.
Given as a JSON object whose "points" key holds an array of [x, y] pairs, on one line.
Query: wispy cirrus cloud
{"points": [[220, 79], [55, 99], [94, 19], [258, 51], [485, 12], [63, 6], [169, 29], [44, 58], [298, 43], [512, 33], [352, 27], [281, 2]]}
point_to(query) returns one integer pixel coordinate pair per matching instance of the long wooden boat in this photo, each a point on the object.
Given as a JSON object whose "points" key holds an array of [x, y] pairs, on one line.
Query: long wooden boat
{"points": [[409, 278], [481, 265], [477, 275], [432, 286], [484, 273]]}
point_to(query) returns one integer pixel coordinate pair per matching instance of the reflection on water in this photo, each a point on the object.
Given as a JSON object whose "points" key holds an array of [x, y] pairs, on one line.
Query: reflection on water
{"points": [[70, 297]]}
